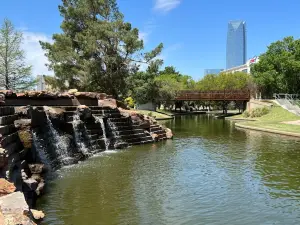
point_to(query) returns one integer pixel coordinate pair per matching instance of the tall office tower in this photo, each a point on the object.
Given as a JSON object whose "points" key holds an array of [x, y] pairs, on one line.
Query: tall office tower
{"points": [[212, 71], [41, 83], [236, 49]]}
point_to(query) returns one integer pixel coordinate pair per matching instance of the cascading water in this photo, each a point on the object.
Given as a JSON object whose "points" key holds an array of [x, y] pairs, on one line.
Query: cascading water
{"points": [[100, 120], [61, 147], [77, 134], [40, 149]]}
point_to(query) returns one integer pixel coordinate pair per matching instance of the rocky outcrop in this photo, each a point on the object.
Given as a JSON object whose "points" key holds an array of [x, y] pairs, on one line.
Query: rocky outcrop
{"points": [[24, 131], [6, 187], [109, 103], [14, 210]]}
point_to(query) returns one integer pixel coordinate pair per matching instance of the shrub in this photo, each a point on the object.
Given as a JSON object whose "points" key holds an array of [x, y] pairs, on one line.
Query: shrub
{"points": [[150, 114], [130, 102], [246, 114], [258, 112]]}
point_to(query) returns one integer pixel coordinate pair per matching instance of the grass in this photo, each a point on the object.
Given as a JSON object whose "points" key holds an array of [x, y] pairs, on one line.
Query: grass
{"points": [[157, 115], [273, 120]]}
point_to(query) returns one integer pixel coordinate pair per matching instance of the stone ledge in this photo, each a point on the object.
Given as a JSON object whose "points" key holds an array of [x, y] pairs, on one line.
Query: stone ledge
{"points": [[10, 138], [286, 133], [7, 129], [6, 120], [6, 110]]}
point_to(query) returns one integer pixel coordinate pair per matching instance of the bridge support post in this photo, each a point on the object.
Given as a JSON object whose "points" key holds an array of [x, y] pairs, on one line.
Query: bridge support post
{"points": [[244, 105]]}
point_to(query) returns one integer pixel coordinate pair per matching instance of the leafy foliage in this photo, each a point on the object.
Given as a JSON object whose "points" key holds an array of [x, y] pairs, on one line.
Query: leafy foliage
{"points": [[14, 73], [225, 81], [278, 70], [257, 112], [97, 50]]}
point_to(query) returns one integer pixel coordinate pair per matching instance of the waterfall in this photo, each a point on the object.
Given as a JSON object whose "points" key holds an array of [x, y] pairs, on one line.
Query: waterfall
{"points": [[40, 149], [100, 120], [114, 129], [61, 147], [77, 134]]}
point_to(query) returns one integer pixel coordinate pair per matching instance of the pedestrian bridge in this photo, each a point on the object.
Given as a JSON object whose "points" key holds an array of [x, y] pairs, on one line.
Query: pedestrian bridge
{"points": [[225, 95]]}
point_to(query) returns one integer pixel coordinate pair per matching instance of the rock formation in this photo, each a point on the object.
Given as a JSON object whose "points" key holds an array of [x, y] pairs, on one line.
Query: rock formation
{"points": [[42, 131]]}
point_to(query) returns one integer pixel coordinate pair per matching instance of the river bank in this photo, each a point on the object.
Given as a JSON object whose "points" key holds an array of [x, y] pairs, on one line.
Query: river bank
{"points": [[278, 120]]}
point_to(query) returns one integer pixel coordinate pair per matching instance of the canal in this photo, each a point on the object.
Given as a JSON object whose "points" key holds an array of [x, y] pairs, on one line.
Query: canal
{"points": [[211, 173]]}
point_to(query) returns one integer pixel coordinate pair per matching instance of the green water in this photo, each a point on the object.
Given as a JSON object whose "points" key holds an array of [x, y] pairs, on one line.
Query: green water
{"points": [[211, 173]]}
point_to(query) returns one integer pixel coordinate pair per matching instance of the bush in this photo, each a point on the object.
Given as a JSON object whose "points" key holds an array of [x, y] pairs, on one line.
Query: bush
{"points": [[150, 114], [130, 102], [258, 112], [246, 114]]}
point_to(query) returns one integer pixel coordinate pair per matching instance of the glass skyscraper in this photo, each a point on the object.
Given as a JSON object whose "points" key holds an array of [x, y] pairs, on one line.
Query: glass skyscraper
{"points": [[236, 49]]}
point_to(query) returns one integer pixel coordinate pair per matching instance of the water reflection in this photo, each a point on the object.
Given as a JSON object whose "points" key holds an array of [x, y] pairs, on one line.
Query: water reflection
{"points": [[211, 173]]}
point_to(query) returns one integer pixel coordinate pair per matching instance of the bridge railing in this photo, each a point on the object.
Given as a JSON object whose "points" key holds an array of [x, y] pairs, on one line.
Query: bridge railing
{"points": [[229, 95]]}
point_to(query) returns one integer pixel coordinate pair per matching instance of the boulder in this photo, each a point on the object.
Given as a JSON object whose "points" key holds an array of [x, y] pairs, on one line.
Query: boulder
{"points": [[40, 188], [13, 203], [155, 137], [109, 103], [2, 99], [86, 95], [54, 112], [169, 133], [101, 96], [65, 95], [122, 105], [36, 168], [38, 117], [37, 215], [14, 210], [72, 91], [84, 111], [22, 111], [8, 93], [29, 185], [6, 187], [24, 132], [21, 95]]}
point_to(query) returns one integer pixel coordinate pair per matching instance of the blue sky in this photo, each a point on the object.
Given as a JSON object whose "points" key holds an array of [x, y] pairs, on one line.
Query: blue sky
{"points": [[193, 31]]}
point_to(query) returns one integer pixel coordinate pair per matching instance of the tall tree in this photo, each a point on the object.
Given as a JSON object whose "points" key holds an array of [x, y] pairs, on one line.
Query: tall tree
{"points": [[97, 50], [278, 70], [14, 73]]}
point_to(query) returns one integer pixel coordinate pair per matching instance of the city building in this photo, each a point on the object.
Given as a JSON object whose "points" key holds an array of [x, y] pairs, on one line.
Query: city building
{"points": [[243, 68], [236, 49], [41, 84], [212, 71]]}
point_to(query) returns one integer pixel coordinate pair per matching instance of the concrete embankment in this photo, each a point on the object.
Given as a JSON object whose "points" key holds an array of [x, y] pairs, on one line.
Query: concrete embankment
{"points": [[292, 134]]}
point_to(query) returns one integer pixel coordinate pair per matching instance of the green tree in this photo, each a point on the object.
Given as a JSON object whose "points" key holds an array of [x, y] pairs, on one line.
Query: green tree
{"points": [[278, 70], [97, 50], [14, 73]]}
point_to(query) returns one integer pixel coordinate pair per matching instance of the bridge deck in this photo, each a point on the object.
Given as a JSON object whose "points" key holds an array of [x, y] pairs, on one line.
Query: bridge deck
{"points": [[227, 95]]}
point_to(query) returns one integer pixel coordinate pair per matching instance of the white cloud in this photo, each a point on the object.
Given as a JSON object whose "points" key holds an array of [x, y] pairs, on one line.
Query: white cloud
{"points": [[166, 5], [35, 55], [169, 50]]}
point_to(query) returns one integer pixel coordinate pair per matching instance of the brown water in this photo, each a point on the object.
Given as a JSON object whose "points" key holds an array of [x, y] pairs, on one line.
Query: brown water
{"points": [[211, 173]]}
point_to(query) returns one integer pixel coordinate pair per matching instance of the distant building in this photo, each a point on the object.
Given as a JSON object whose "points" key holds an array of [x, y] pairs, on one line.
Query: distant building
{"points": [[236, 49], [212, 71], [41, 84], [243, 68]]}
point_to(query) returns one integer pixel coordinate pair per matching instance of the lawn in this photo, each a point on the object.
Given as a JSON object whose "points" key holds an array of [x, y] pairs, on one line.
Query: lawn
{"points": [[273, 120], [156, 115]]}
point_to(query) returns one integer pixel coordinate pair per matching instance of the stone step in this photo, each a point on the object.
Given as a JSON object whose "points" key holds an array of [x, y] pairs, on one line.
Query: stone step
{"points": [[130, 131], [10, 138], [129, 136], [7, 129], [138, 139], [155, 129], [109, 115], [13, 147], [131, 127], [121, 119], [142, 142], [126, 123], [6, 120], [7, 110], [94, 131], [158, 132]]}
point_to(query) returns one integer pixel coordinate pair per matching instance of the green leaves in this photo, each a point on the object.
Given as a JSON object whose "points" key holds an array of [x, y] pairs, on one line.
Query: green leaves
{"points": [[278, 70], [14, 73], [97, 50]]}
